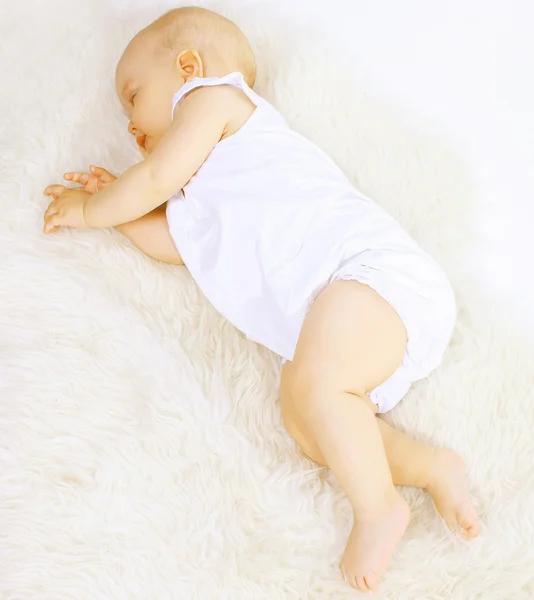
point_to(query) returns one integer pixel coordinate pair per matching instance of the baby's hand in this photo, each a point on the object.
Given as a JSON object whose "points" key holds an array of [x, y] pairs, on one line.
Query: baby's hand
{"points": [[92, 182], [67, 208]]}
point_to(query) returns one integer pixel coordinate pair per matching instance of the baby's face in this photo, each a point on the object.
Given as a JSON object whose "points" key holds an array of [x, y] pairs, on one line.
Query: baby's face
{"points": [[146, 82]]}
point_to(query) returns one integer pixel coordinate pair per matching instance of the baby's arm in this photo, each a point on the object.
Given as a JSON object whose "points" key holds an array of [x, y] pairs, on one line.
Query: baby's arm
{"points": [[149, 233], [199, 123]]}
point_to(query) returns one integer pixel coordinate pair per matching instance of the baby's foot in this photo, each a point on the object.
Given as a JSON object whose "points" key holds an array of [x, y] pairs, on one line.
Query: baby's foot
{"points": [[448, 488], [371, 543]]}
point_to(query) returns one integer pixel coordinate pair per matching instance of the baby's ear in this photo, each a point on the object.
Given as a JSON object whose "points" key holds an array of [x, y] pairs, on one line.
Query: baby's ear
{"points": [[189, 64]]}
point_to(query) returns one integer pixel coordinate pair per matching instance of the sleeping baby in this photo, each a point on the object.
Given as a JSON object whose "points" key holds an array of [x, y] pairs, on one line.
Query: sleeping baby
{"points": [[296, 258]]}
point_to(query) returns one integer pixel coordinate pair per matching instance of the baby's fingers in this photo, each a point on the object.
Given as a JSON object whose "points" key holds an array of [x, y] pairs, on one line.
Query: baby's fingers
{"points": [[82, 178], [51, 223], [51, 218], [104, 175], [54, 190], [53, 209]]}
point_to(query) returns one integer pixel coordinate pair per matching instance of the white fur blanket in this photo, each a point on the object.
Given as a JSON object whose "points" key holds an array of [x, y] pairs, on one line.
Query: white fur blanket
{"points": [[142, 453]]}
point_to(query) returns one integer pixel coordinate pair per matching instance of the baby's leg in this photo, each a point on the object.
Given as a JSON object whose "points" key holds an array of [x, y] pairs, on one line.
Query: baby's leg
{"points": [[440, 471], [151, 235], [410, 462], [351, 342]]}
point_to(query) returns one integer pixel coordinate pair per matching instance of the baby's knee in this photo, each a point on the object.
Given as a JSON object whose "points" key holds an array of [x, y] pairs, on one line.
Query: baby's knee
{"points": [[304, 380], [316, 381]]}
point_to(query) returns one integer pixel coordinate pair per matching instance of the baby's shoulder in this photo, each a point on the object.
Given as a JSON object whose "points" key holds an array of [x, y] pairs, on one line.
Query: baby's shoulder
{"points": [[227, 101]]}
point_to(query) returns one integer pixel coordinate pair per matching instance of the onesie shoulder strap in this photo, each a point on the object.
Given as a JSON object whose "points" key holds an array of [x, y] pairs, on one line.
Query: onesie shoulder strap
{"points": [[235, 79]]}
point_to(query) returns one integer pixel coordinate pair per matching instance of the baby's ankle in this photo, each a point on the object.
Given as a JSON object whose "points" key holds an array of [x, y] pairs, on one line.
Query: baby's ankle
{"points": [[428, 473], [444, 461], [381, 508]]}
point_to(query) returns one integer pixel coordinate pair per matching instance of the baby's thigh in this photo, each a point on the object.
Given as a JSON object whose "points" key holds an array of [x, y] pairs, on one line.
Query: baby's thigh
{"points": [[351, 340], [151, 235]]}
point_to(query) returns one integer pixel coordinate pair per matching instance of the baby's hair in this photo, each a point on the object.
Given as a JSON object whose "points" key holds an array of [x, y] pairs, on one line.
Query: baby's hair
{"points": [[195, 28]]}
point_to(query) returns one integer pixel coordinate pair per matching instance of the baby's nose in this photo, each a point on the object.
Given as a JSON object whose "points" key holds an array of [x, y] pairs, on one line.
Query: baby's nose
{"points": [[131, 128]]}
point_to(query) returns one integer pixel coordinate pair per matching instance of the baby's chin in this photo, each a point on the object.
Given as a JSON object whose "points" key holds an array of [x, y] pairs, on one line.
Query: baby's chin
{"points": [[146, 151], [148, 146]]}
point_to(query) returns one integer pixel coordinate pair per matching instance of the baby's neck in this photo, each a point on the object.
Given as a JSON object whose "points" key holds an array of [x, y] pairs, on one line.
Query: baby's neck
{"points": [[217, 67]]}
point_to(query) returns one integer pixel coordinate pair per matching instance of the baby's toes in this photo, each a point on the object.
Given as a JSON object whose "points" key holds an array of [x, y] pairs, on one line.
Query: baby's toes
{"points": [[364, 583], [359, 582], [371, 580], [468, 521], [470, 529], [468, 533], [361, 585]]}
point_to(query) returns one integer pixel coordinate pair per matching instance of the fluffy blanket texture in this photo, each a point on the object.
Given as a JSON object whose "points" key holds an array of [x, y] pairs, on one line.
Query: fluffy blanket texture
{"points": [[142, 453]]}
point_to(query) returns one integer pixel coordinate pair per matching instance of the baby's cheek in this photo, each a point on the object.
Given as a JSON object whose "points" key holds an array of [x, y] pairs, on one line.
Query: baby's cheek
{"points": [[163, 124]]}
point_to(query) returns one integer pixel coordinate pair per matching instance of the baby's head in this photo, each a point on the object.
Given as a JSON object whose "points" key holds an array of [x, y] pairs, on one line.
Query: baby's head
{"points": [[182, 44]]}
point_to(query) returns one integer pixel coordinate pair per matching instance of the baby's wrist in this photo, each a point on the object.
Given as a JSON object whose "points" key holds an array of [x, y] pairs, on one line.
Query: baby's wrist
{"points": [[86, 211]]}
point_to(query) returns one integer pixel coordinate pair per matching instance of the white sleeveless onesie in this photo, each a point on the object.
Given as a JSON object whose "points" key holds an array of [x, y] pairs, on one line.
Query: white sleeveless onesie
{"points": [[269, 220]]}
